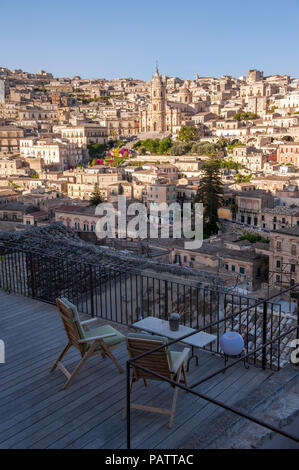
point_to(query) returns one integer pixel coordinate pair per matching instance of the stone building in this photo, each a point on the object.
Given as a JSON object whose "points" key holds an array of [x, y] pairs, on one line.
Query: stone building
{"points": [[12, 166], [250, 205], [229, 258], [9, 138], [284, 260], [84, 134], [280, 217], [59, 153], [288, 153], [78, 218], [159, 115]]}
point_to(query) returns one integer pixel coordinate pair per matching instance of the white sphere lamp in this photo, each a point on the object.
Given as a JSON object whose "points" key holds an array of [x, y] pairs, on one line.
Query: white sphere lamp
{"points": [[231, 343]]}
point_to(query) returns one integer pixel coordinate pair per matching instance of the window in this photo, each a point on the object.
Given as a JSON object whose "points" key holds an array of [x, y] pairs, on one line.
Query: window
{"points": [[233, 267], [226, 267], [293, 250], [277, 278], [293, 268], [292, 282], [77, 226], [242, 270], [242, 218], [278, 246], [85, 228], [278, 264]]}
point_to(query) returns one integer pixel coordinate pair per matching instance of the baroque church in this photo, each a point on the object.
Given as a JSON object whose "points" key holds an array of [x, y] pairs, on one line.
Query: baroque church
{"points": [[162, 115]]}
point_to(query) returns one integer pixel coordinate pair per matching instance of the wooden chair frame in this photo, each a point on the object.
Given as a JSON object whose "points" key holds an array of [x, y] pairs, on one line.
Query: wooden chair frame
{"points": [[75, 339], [164, 368]]}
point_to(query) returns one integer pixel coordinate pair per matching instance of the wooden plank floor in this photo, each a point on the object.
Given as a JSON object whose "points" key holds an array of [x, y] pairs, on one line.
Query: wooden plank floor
{"points": [[36, 413]]}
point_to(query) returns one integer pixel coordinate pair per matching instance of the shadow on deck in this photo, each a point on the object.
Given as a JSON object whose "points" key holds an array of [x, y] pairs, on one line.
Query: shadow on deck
{"points": [[36, 413]]}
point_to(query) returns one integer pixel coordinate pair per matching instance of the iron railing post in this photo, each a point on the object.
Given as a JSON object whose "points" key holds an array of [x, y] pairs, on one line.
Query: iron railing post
{"points": [[32, 275], [91, 291], [166, 301], [141, 296], [297, 336], [128, 407], [264, 353]]}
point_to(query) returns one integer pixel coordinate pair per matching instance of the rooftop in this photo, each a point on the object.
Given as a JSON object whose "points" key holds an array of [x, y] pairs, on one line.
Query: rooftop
{"points": [[294, 231]]}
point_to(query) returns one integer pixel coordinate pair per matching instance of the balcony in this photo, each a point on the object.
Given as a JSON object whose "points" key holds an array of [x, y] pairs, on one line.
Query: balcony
{"points": [[35, 413]]}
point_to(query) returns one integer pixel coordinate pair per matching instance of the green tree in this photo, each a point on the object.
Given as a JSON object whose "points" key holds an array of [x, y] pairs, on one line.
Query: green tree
{"points": [[210, 194], [245, 116], [222, 143], [179, 149], [96, 150], [253, 238], [204, 148], [187, 134], [95, 197], [242, 178], [164, 146]]}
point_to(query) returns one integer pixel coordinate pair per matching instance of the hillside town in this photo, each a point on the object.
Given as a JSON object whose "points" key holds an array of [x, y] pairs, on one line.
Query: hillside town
{"points": [[65, 142]]}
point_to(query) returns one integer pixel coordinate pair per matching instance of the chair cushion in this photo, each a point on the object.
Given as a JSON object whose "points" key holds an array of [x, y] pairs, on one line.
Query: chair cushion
{"points": [[148, 336], [76, 316], [103, 330], [173, 357]]}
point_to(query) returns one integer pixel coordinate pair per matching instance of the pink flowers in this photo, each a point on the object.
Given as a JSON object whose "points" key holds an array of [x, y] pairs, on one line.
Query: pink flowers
{"points": [[117, 152]]}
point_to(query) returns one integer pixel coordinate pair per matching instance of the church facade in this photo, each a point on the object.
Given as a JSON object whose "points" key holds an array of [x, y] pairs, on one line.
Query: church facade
{"points": [[159, 115]]}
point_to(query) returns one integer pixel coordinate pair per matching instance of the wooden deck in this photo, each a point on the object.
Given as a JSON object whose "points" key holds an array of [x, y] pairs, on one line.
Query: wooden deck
{"points": [[36, 413]]}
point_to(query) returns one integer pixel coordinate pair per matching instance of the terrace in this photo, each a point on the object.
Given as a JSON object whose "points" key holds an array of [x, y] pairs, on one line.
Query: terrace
{"points": [[36, 413]]}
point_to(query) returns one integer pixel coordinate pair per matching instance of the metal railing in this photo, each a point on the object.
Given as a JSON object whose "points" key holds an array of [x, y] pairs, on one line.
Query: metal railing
{"points": [[262, 349], [125, 296]]}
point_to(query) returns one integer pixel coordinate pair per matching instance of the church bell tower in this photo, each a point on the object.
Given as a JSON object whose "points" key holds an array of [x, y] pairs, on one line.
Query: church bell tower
{"points": [[158, 103]]}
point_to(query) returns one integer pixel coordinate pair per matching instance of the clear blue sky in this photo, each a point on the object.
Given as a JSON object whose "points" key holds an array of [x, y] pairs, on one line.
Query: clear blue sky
{"points": [[124, 38]]}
